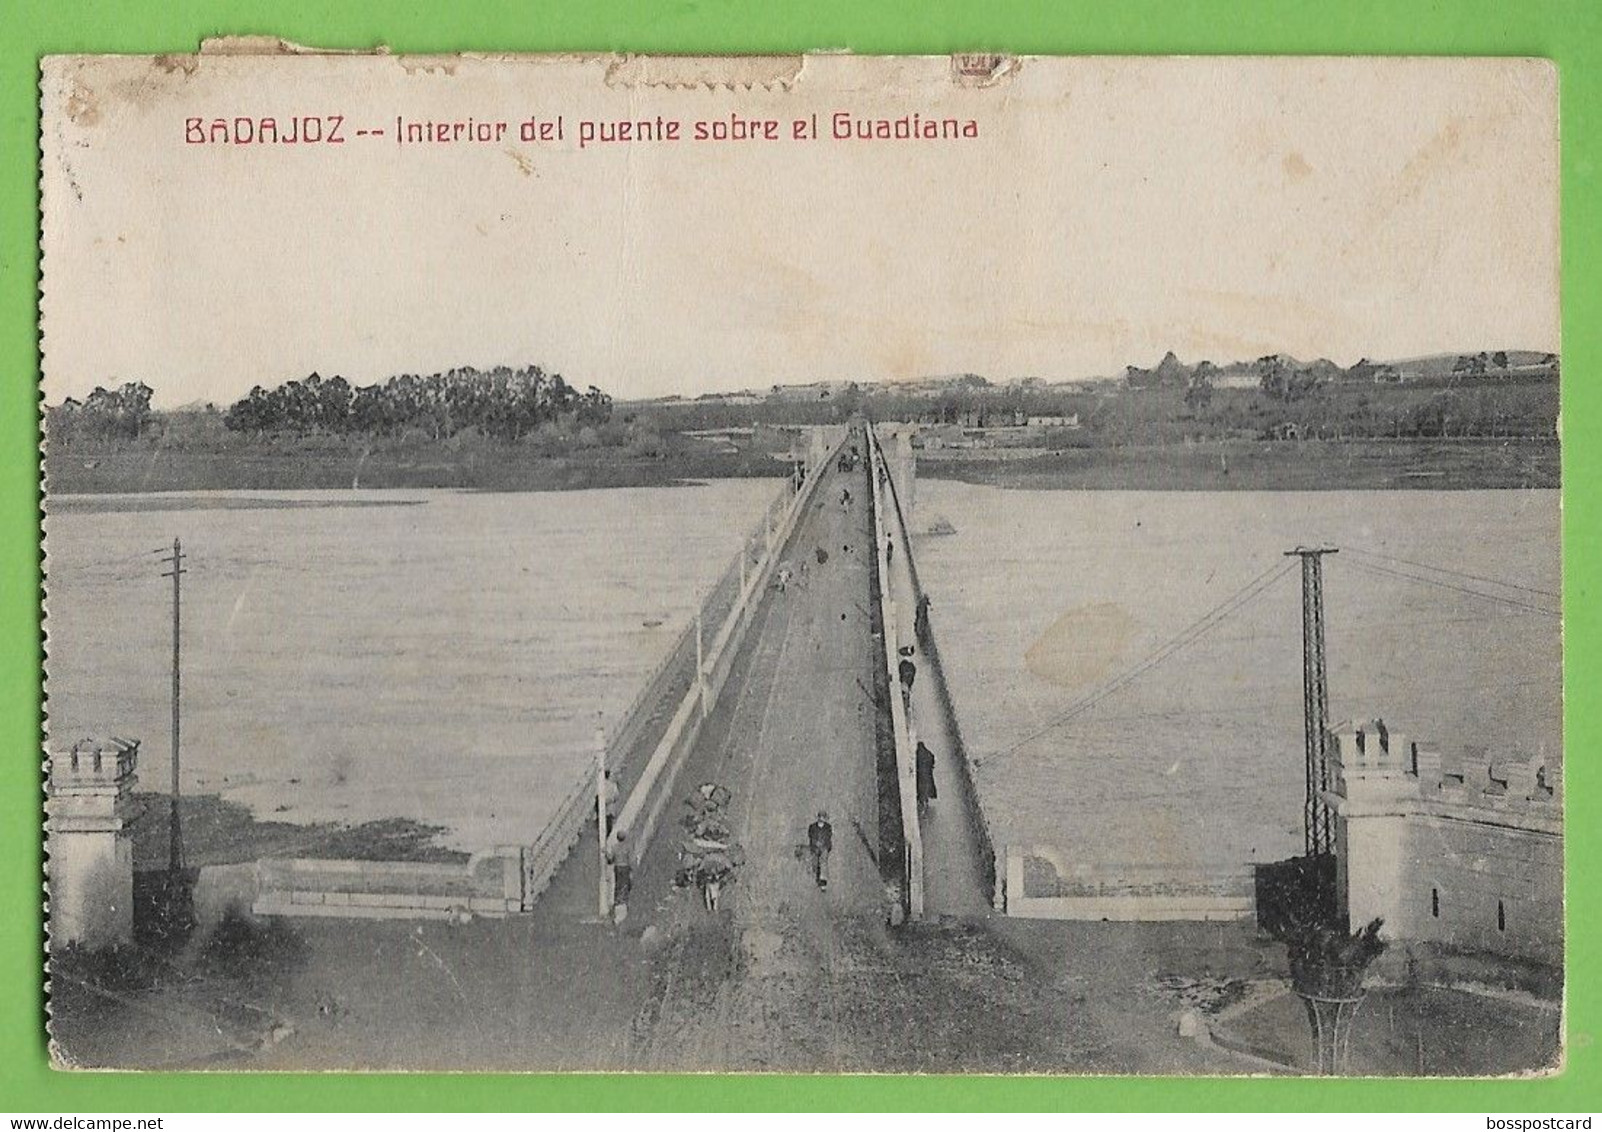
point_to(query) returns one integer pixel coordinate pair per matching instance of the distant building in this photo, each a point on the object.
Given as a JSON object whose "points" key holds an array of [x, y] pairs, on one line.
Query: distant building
{"points": [[937, 436], [1467, 855], [811, 391], [1054, 421], [993, 418], [1376, 373]]}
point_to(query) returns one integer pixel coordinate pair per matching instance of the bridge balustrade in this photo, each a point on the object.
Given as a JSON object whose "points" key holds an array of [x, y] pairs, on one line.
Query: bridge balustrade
{"points": [[729, 606]]}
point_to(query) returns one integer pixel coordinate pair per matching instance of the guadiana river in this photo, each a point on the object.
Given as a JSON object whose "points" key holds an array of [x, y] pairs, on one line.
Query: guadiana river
{"points": [[444, 656], [1441, 619], [436, 655]]}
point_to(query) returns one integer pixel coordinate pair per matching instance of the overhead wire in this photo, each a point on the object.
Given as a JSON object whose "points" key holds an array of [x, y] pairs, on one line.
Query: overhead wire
{"points": [[1454, 573], [1237, 600], [1498, 599], [1185, 637]]}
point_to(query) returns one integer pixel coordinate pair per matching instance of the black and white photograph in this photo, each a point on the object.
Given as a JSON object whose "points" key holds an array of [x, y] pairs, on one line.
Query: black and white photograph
{"points": [[813, 564]]}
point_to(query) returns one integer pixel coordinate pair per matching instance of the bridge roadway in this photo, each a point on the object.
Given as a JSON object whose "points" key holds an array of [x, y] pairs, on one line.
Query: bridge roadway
{"points": [[793, 734]]}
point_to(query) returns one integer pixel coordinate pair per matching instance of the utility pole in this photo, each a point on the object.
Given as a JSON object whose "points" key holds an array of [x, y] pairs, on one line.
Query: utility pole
{"points": [[175, 848], [1320, 832]]}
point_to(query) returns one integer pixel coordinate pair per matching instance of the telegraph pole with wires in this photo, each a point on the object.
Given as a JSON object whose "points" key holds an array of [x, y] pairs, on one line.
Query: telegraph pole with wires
{"points": [[1317, 822], [175, 847]]}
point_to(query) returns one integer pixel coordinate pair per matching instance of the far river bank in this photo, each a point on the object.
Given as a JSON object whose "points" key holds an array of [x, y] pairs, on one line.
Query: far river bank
{"points": [[1230, 465], [1263, 465]]}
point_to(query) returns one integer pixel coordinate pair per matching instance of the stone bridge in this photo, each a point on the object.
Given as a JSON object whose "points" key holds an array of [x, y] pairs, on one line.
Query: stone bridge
{"points": [[799, 710]]}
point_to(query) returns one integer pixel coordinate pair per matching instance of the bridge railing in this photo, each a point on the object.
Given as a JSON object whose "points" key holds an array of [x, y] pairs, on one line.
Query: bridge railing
{"points": [[730, 606], [677, 666], [906, 762], [577, 808], [556, 840]]}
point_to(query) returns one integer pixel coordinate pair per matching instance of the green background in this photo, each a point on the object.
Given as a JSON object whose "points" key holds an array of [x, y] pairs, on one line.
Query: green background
{"points": [[1568, 31]]}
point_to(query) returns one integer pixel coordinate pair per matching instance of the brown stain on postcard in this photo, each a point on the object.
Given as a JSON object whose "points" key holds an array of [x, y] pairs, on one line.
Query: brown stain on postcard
{"points": [[1082, 645]]}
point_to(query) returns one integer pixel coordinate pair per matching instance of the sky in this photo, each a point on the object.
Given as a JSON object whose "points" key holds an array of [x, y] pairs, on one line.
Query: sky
{"points": [[1109, 210]]}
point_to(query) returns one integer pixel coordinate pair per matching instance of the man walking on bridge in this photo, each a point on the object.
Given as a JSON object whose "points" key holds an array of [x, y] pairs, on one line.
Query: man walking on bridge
{"points": [[820, 842], [622, 865], [924, 762]]}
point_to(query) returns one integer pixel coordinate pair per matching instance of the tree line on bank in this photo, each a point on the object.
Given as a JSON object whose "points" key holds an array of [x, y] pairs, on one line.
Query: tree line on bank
{"points": [[503, 403], [122, 413]]}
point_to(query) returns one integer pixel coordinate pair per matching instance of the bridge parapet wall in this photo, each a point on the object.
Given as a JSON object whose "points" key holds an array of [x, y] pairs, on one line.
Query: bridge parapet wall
{"points": [[490, 884], [920, 628], [1043, 882], [879, 477], [915, 627]]}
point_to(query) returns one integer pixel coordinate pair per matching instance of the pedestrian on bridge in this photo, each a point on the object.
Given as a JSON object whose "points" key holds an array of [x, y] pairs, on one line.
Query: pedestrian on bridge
{"points": [[924, 761], [617, 856], [820, 843], [908, 671]]}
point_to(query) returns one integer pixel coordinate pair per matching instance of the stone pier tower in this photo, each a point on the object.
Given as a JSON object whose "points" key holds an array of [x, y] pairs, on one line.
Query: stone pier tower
{"points": [[90, 812]]}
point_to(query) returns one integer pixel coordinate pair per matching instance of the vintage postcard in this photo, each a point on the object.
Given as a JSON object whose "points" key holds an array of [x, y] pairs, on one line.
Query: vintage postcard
{"points": [[811, 564]]}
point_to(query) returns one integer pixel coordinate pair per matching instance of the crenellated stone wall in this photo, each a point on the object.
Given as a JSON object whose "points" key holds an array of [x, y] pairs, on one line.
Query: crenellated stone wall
{"points": [[1465, 852]]}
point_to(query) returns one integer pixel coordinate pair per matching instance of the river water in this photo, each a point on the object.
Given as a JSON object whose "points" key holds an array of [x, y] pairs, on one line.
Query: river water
{"points": [[435, 655], [1042, 600], [444, 656]]}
